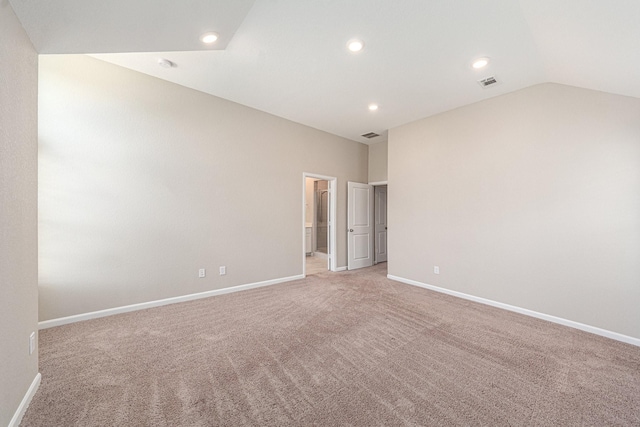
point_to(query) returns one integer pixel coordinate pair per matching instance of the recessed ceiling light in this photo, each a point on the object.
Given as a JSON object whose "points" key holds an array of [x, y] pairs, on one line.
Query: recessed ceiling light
{"points": [[209, 38], [355, 45], [165, 63], [480, 63], [373, 107]]}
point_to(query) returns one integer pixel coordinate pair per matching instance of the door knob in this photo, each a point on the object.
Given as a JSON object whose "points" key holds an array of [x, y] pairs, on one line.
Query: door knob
{"points": [[351, 230], [385, 228]]}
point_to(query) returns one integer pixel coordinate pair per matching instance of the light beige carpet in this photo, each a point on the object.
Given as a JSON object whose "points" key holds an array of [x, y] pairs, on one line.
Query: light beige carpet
{"points": [[349, 348]]}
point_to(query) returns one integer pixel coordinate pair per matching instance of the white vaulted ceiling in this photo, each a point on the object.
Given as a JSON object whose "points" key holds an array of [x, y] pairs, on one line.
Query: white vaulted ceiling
{"points": [[289, 57], [108, 26]]}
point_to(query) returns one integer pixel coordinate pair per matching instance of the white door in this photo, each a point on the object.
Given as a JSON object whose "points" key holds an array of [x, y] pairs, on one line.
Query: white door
{"points": [[330, 227], [381, 223], [360, 225]]}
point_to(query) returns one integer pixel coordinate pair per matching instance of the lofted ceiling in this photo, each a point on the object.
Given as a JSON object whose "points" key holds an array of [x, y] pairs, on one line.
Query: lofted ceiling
{"points": [[92, 26], [289, 57]]}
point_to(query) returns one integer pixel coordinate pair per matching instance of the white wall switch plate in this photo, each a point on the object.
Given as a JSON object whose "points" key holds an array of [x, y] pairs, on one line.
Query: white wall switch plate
{"points": [[436, 269], [202, 273], [223, 270]]}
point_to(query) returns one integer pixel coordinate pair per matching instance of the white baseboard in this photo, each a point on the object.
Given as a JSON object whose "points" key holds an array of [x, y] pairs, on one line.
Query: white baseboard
{"points": [[144, 305], [341, 268], [26, 400], [320, 255], [587, 328]]}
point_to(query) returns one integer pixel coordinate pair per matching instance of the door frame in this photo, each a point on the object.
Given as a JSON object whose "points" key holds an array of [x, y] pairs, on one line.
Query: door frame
{"points": [[375, 221], [333, 198], [380, 184]]}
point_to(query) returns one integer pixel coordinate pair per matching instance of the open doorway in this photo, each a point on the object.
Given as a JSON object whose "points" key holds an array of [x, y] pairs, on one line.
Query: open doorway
{"points": [[318, 220]]}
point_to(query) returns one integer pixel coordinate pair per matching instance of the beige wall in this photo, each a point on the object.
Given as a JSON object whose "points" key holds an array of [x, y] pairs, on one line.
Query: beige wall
{"points": [[18, 212], [309, 200], [378, 160], [530, 199], [143, 182]]}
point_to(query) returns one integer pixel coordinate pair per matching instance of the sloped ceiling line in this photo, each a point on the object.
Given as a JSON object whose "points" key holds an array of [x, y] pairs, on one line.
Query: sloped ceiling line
{"points": [[289, 58]]}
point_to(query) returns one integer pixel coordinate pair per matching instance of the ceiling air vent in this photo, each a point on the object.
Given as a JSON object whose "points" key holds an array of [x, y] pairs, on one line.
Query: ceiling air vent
{"points": [[370, 135], [488, 81]]}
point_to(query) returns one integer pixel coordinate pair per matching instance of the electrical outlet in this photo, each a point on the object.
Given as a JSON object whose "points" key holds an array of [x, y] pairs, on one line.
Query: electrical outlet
{"points": [[223, 270], [436, 269], [32, 342], [202, 273]]}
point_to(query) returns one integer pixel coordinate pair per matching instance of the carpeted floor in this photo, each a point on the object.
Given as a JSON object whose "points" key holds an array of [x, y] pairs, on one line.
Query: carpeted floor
{"points": [[350, 348]]}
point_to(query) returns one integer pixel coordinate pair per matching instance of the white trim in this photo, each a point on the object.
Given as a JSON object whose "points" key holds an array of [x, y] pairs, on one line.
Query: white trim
{"points": [[378, 183], [333, 219], [26, 400], [570, 323], [344, 268], [157, 303], [319, 254]]}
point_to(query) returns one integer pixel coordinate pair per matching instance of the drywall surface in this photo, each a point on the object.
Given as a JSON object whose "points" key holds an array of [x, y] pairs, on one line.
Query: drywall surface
{"points": [[530, 199], [309, 200], [18, 212], [143, 182], [378, 160]]}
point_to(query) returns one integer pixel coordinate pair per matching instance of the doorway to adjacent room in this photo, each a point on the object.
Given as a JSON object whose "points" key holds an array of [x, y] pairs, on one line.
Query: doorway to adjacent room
{"points": [[319, 211]]}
